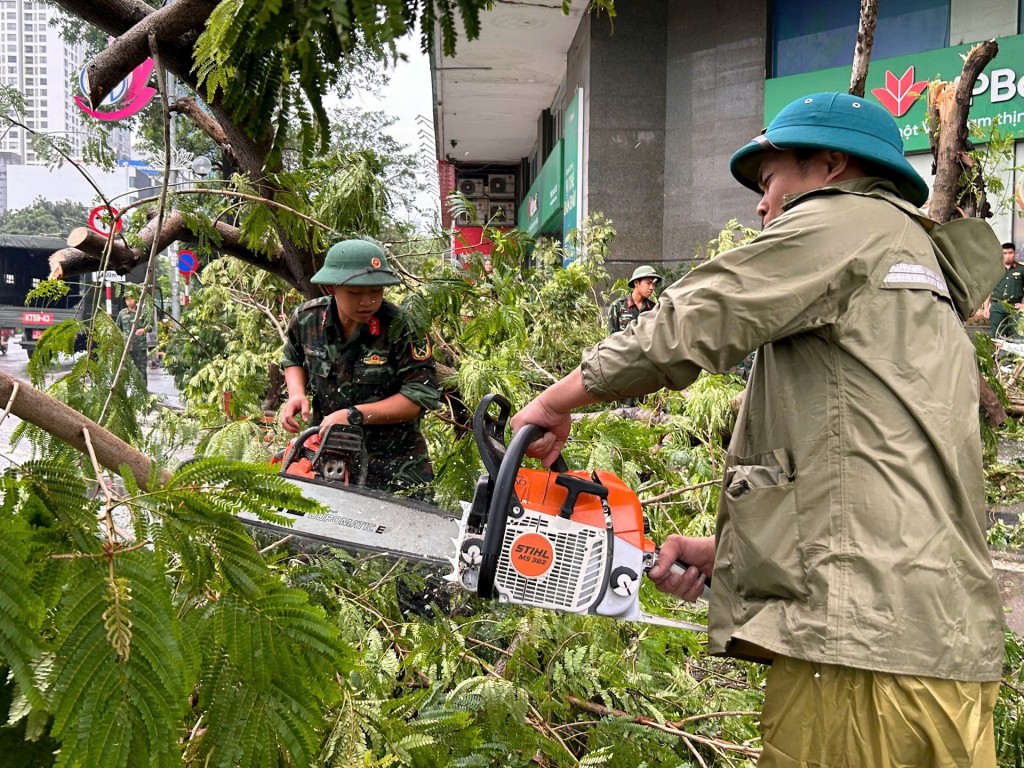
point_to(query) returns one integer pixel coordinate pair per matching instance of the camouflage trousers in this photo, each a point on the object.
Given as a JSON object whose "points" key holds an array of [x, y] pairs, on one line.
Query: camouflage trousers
{"points": [[139, 357]]}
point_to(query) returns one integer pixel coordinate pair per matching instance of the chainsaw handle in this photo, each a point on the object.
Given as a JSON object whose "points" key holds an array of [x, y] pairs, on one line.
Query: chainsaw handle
{"points": [[489, 433], [297, 446], [501, 503]]}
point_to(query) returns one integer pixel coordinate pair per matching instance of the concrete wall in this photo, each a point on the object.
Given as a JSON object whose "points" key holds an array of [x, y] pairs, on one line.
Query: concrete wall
{"points": [[715, 72], [971, 21], [625, 128]]}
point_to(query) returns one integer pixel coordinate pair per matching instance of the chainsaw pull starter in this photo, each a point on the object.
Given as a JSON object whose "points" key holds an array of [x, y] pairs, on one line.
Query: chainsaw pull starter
{"points": [[575, 486]]}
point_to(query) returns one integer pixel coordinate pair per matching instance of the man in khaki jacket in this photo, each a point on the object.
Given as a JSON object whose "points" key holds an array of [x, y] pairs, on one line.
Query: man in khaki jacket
{"points": [[850, 547]]}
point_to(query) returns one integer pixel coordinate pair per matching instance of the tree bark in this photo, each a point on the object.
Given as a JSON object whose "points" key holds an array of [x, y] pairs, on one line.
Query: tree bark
{"points": [[865, 42], [86, 249], [117, 60], [948, 107], [67, 424]]}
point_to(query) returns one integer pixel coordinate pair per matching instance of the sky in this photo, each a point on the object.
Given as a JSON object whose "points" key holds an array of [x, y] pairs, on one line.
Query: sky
{"points": [[408, 97]]}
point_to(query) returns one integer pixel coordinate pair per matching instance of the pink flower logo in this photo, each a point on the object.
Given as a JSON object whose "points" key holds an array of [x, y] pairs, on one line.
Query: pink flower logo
{"points": [[130, 96], [899, 94]]}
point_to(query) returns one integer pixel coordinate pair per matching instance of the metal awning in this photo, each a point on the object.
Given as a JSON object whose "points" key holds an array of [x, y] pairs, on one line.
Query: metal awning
{"points": [[487, 98]]}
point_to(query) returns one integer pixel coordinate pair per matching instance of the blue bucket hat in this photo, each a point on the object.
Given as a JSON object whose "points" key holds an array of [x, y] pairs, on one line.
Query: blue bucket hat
{"points": [[357, 263], [839, 122]]}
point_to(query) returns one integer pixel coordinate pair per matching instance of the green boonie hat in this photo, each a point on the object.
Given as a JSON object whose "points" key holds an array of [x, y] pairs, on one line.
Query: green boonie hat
{"points": [[643, 271], [357, 263], [839, 122]]}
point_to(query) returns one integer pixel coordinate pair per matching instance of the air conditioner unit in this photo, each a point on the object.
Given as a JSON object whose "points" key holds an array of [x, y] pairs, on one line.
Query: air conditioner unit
{"points": [[502, 214], [501, 185], [481, 215], [471, 187]]}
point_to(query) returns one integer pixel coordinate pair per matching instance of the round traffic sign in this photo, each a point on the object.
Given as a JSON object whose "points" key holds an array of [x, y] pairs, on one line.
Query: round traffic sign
{"points": [[102, 218], [187, 262]]}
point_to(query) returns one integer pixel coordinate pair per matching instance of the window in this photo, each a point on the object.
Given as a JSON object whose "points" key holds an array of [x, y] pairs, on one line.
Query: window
{"points": [[808, 35], [9, 279], [36, 281]]}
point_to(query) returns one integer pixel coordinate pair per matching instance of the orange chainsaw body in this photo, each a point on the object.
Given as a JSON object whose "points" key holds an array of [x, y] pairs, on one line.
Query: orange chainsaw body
{"points": [[537, 490]]}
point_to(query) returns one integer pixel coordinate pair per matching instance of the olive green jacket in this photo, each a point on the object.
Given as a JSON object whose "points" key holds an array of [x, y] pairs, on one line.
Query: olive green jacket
{"points": [[851, 525]]}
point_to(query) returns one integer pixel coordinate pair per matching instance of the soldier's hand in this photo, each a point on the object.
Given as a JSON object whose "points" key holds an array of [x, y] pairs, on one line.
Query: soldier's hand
{"points": [[338, 417], [298, 404]]}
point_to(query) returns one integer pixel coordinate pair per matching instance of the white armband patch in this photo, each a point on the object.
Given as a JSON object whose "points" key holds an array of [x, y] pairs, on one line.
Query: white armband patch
{"points": [[903, 275]]}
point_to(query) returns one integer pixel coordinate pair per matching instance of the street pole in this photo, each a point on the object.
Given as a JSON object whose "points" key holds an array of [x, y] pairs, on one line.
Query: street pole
{"points": [[172, 249]]}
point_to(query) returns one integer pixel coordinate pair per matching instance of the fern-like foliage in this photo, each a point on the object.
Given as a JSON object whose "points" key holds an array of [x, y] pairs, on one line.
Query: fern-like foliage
{"points": [[111, 707], [124, 623], [292, 56]]}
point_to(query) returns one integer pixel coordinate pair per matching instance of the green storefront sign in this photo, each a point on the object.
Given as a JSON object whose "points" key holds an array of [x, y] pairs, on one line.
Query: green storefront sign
{"points": [[893, 83], [549, 184], [572, 153], [542, 209]]}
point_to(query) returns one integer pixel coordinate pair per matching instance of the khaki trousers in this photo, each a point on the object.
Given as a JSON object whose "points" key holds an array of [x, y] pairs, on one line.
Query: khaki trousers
{"points": [[836, 717]]}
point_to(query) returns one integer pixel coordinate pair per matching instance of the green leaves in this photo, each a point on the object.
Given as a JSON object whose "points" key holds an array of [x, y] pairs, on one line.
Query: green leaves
{"points": [[292, 57], [109, 704], [113, 615]]}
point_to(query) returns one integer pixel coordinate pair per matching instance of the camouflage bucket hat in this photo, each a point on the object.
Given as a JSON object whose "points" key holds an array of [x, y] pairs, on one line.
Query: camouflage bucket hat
{"points": [[644, 271], [357, 263]]}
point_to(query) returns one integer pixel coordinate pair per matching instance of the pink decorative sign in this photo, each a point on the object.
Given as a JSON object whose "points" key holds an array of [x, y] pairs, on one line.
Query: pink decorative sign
{"points": [[130, 96]]}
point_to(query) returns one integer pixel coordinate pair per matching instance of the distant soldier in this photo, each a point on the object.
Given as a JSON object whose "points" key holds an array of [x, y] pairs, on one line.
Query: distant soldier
{"points": [[136, 340], [350, 360], [1008, 291], [624, 311]]}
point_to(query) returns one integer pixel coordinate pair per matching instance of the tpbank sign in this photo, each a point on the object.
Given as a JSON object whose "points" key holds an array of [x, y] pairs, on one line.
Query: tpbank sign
{"points": [[899, 84]]}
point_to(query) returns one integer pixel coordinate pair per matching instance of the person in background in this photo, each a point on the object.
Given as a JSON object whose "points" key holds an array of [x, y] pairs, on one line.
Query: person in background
{"points": [[349, 359], [850, 547], [625, 310], [1008, 291], [136, 340]]}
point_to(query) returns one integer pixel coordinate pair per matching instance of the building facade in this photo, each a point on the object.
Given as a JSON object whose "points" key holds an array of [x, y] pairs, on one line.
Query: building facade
{"points": [[637, 120], [44, 69]]}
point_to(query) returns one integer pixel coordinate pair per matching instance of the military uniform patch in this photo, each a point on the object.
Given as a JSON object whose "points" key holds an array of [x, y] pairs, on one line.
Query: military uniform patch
{"points": [[374, 359], [422, 349]]}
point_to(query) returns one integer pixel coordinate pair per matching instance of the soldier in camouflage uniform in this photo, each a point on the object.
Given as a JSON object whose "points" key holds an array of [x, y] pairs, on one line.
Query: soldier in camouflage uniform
{"points": [[136, 340], [624, 311], [1008, 291], [349, 360]]}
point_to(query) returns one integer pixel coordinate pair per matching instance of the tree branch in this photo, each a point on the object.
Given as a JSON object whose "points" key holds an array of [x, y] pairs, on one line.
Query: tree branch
{"points": [[670, 728], [190, 109], [865, 42], [948, 106], [117, 17], [117, 60], [69, 425], [86, 249]]}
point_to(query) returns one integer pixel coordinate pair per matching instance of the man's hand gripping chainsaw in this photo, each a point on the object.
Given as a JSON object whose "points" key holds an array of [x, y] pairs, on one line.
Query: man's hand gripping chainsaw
{"points": [[564, 540]]}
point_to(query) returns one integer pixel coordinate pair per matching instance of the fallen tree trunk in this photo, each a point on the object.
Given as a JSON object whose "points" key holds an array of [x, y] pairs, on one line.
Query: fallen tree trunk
{"points": [[65, 423]]}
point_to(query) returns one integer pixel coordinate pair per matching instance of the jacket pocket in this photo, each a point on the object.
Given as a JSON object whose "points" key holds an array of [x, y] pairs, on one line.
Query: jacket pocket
{"points": [[372, 382], [764, 545]]}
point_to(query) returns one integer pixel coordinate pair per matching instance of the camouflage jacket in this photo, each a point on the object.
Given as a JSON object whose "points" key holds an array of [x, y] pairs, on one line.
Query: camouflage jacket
{"points": [[380, 360], [623, 311], [124, 321]]}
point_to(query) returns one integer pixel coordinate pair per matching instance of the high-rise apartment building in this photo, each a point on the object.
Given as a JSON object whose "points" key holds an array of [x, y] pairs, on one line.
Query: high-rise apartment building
{"points": [[45, 70], [35, 61]]}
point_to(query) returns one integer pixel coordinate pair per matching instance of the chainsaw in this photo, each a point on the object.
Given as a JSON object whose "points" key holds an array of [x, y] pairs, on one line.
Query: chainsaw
{"points": [[560, 539]]}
